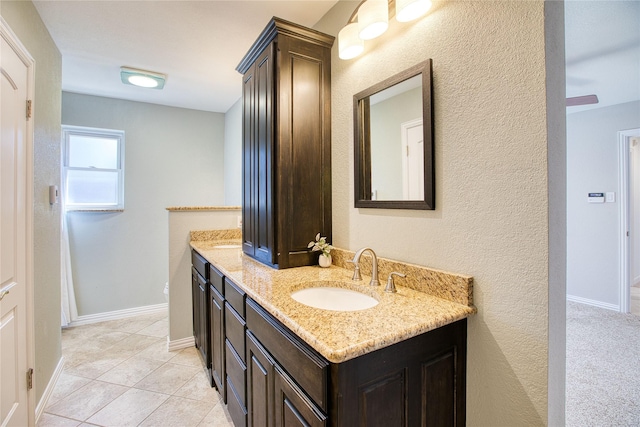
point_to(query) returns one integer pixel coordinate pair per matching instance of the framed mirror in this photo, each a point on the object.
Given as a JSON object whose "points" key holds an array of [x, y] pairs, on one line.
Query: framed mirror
{"points": [[393, 142]]}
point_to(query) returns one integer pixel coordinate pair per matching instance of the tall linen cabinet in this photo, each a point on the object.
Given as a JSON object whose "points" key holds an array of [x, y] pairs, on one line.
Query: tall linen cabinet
{"points": [[286, 144]]}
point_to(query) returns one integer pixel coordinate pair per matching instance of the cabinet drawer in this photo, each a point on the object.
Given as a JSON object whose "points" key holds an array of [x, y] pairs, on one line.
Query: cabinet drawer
{"points": [[216, 278], [302, 363], [235, 329], [235, 296], [236, 408], [236, 372], [200, 264]]}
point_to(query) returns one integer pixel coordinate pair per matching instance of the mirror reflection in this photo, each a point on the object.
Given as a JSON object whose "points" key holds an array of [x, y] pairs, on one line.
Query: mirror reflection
{"points": [[397, 170], [394, 142]]}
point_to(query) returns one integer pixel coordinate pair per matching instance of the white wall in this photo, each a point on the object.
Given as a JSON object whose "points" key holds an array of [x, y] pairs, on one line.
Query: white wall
{"points": [[173, 157], [24, 21], [593, 230], [233, 155], [499, 139]]}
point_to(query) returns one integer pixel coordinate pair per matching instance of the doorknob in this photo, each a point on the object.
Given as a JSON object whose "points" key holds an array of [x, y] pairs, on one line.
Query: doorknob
{"points": [[2, 294]]}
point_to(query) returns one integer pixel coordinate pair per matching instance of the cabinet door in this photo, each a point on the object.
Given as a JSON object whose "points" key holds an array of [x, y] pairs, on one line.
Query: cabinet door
{"points": [[195, 307], [203, 321], [292, 406], [259, 384], [304, 149], [217, 341], [258, 172]]}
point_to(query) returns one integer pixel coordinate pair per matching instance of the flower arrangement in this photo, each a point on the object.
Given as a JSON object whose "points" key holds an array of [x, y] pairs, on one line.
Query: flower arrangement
{"points": [[320, 244]]}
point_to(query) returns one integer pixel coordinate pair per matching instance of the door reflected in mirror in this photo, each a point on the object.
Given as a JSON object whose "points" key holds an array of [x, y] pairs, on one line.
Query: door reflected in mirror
{"points": [[394, 142]]}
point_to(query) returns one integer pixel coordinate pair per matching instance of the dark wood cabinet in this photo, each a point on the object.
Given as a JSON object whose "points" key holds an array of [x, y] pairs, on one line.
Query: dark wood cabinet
{"points": [[217, 324], [235, 361], [201, 315], [418, 382], [286, 144], [269, 377]]}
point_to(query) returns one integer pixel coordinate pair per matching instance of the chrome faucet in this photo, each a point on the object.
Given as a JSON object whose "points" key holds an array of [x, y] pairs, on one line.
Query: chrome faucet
{"points": [[374, 266]]}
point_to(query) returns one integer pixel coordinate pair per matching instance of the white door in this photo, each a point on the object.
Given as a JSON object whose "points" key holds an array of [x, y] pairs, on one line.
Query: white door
{"points": [[14, 396], [413, 160]]}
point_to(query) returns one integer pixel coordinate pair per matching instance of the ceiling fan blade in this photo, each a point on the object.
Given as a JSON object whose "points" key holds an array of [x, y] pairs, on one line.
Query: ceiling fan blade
{"points": [[582, 100]]}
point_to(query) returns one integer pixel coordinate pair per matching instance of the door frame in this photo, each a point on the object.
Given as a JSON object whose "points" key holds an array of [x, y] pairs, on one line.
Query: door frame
{"points": [[12, 39], [624, 138]]}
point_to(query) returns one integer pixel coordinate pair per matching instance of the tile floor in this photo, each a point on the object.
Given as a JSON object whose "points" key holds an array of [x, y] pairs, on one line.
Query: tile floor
{"points": [[119, 373]]}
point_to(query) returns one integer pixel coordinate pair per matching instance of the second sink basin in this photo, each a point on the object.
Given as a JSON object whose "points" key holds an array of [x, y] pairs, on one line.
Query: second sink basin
{"points": [[336, 299]]}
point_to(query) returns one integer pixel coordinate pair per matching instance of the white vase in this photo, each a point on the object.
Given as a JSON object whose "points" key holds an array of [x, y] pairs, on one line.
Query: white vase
{"points": [[324, 260]]}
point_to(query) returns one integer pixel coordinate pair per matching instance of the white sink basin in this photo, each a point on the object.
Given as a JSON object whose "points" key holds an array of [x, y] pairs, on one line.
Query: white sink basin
{"points": [[336, 299]]}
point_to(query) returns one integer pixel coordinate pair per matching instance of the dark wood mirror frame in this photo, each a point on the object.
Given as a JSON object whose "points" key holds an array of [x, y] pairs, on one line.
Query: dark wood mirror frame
{"points": [[362, 142]]}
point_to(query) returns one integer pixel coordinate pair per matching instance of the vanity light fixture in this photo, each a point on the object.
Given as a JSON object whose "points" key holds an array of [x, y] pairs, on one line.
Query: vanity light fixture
{"points": [[142, 78], [371, 19]]}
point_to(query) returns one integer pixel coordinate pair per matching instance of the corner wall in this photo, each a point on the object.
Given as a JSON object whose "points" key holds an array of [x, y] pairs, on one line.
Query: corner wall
{"points": [[25, 22], [173, 157], [498, 197]]}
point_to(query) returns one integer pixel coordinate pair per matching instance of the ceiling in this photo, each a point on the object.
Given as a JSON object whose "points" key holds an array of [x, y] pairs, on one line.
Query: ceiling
{"points": [[602, 51], [198, 44]]}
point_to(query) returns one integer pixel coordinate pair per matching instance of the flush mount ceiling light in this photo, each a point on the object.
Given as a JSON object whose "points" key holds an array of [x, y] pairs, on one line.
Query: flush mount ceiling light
{"points": [[371, 19], [142, 78]]}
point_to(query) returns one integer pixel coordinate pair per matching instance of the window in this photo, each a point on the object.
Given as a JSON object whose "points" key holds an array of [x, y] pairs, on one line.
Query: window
{"points": [[93, 168]]}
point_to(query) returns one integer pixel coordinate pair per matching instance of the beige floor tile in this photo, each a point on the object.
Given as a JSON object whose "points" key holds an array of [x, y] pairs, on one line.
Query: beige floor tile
{"points": [[188, 356], [131, 324], [93, 368], [87, 400], [217, 417], [130, 371], [66, 385], [178, 411], [129, 409], [168, 378], [50, 420], [158, 329], [134, 344], [158, 351], [198, 388]]}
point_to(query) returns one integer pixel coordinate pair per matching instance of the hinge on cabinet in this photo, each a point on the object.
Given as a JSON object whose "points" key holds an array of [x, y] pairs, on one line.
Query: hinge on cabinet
{"points": [[30, 379], [28, 108]]}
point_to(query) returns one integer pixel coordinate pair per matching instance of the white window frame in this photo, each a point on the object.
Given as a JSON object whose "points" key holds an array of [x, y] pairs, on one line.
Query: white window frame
{"points": [[67, 131]]}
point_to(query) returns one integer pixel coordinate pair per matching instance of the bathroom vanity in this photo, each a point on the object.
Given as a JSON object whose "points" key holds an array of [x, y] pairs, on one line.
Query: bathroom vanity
{"points": [[401, 362]]}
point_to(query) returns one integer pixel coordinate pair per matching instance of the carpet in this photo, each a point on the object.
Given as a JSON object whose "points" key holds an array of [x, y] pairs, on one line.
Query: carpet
{"points": [[603, 367]]}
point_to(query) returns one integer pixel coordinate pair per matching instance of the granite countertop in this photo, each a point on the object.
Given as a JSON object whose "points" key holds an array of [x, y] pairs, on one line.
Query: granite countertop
{"points": [[336, 335]]}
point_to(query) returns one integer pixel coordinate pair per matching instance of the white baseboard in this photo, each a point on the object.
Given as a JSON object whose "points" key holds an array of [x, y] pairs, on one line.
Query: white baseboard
{"points": [[180, 344], [595, 303], [48, 391], [120, 314]]}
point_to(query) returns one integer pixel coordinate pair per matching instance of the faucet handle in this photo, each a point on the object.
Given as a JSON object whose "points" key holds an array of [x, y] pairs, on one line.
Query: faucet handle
{"points": [[356, 270], [391, 287]]}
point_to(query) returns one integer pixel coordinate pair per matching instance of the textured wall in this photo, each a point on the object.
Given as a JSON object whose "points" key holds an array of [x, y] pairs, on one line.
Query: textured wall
{"points": [[492, 203], [593, 238], [173, 157], [25, 22]]}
